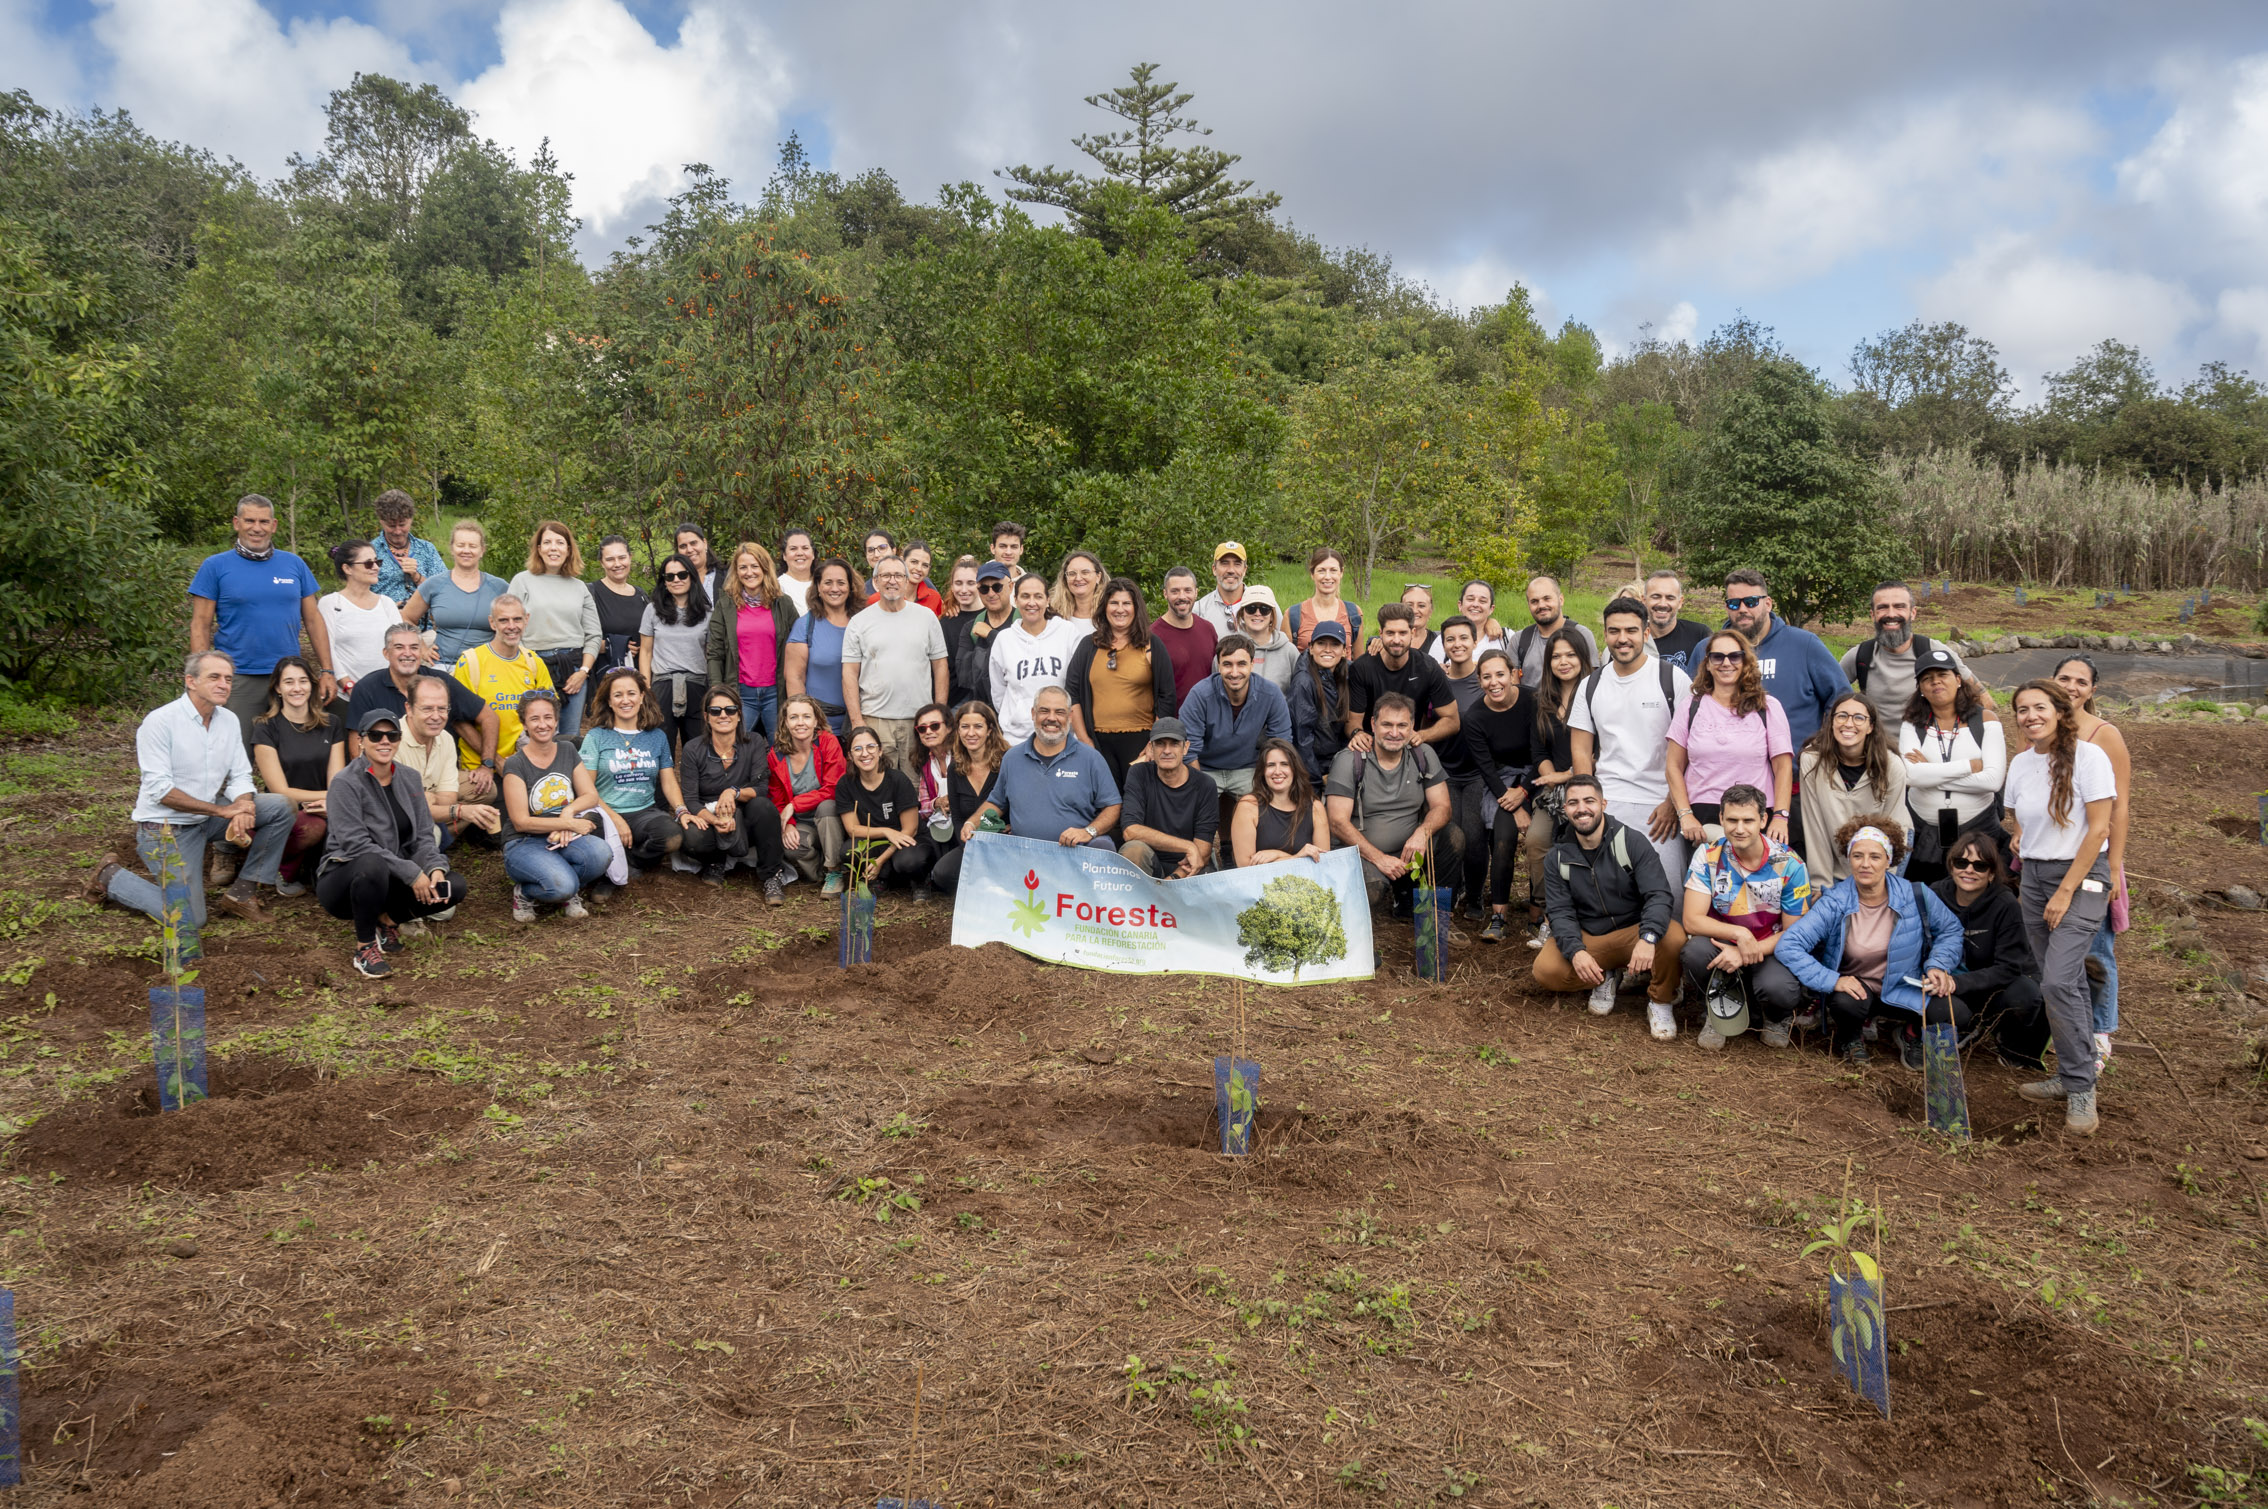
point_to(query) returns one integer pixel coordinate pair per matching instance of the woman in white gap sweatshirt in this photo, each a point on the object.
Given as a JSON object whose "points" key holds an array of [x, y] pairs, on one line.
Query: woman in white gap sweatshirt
{"points": [[1032, 652]]}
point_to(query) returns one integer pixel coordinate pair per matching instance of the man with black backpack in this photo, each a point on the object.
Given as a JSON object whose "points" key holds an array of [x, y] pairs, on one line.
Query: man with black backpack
{"points": [[1883, 668], [1609, 908], [1619, 726]]}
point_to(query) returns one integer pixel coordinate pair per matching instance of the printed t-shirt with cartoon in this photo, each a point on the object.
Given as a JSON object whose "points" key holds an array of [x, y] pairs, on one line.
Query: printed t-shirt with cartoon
{"points": [[1755, 899], [550, 789]]}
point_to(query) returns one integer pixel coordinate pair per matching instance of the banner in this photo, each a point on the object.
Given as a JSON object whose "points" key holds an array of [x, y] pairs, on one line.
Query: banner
{"points": [[1296, 922]]}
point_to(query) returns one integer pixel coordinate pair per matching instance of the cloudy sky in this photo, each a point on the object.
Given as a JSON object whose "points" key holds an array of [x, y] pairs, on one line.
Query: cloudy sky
{"points": [[2048, 173]]}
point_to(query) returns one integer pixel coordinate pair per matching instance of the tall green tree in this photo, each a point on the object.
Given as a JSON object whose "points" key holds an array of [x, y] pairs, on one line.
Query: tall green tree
{"points": [[1771, 491], [1372, 459]]}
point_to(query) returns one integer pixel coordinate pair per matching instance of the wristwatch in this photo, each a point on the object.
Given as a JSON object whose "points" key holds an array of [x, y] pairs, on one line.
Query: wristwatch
{"points": [[1088, 830], [1779, 812]]}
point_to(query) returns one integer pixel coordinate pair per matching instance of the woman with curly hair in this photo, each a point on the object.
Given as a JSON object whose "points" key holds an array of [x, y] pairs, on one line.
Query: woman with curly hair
{"points": [[1876, 945], [1848, 768], [2061, 791], [1730, 734]]}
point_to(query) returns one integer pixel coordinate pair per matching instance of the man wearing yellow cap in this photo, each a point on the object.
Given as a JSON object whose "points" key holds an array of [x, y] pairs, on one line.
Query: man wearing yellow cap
{"points": [[1218, 607]]}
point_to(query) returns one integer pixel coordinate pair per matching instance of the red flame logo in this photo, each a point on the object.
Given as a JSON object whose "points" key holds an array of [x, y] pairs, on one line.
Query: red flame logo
{"points": [[1031, 881]]}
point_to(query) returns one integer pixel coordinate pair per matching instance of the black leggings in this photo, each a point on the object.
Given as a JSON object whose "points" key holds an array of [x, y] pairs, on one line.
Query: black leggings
{"points": [[2017, 1013], [1120, 751], [945, 875], [653, 835], [366, 888], [907, 866], [755, 834], [1504, 845]]}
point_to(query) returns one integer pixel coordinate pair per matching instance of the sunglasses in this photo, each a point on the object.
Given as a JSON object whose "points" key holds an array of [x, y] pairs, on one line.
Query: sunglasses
{"points": [[1723, 657], [676, 576], [929, 728], [995, 585], [722, 711], [1970, 863], [382, 736], [371, 563], [1744, 602]]}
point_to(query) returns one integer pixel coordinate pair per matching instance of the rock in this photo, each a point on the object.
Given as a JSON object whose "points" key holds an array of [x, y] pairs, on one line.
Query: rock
{"points": [[184, 1248], [2067, 641], [2197, 717], [2255, 1151], [2243, 897], [1096, 1053], [2259, 712], [2165, 647], [2030, 641], [452, 1486], [2190, 641], [2117, 642], [2006, 644]]}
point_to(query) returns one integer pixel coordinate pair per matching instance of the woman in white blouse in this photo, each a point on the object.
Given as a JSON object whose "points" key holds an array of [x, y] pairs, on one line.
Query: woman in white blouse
{"points": [[2061, 791], [1956, 759], [357, 615]]}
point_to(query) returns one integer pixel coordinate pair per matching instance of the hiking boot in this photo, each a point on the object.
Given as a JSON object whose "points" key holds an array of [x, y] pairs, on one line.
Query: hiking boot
{"points": [[2103, 1047], [1871, 1032], [97, 887], [573, 909], [834, 885], [1806, 1020], [371, 963], [1494, 931], [1854, 1052], [1602, 994], [2079, 1114], [1776, 1035], [2044, 1090], [710, 874], [221, 864], [1910, 1049], [523, 910], [772, 894], [235, 903], [1661, 1021], [290, 888], [788, 875]]}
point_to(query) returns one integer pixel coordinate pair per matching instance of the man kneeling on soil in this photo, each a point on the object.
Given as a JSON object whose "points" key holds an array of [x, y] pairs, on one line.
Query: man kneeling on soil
{"points": [[1390, 802], [1741, 893], [1172, 814], [1051, 786], [1607, 906]]}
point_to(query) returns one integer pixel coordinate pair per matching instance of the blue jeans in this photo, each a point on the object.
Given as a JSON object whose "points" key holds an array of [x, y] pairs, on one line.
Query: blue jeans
{"points": [[549, 876], [759, 709], [271, 827], [2105, 995]]}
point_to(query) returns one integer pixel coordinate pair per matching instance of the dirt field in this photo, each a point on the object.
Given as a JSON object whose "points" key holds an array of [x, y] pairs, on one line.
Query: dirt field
{"points": [[596, 1215]]}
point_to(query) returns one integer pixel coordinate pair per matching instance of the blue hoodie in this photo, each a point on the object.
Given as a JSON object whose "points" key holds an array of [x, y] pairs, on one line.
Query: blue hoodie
{"points": [[1926, 936], [1803, 674]]}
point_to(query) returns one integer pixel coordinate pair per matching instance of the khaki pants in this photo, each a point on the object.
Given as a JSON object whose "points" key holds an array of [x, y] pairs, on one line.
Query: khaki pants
{"points": [[1612, 951], [897, 738]]}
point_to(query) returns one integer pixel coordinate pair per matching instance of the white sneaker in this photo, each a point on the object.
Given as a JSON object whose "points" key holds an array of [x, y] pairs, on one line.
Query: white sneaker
{"points": [[523, 910], [1536, 939], [2102, 1052], [1602, 994], [573, 909], [1661, 1020]]}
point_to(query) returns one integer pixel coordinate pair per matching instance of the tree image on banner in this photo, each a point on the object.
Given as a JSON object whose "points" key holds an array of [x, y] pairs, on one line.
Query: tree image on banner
{"points": [[1028, 916], [1294, 922]]}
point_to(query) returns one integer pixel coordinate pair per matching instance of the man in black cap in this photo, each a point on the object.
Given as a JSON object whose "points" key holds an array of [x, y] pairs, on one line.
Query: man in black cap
{"points": [[968, 636], [1169, 815]]}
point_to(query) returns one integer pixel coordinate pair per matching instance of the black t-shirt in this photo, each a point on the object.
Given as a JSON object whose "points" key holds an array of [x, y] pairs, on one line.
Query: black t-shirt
{"points": [[1455, 761], [1681, 646], [964, 799], [1498, 741], [886, 804], [550, 787], [1190, 810], [304, 753], [1420, 679], [465, 704], [618, 614]]}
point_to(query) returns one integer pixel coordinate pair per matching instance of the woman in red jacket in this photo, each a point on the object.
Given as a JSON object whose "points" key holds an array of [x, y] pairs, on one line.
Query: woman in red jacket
{"points": [[806, 765]]}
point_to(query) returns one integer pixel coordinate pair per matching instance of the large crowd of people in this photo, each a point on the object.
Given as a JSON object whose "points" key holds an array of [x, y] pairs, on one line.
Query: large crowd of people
{"points": [[1788, 840]]}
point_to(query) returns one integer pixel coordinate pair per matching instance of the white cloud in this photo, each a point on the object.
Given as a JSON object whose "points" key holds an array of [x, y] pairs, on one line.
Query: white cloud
{"points": [[32, 59], [1468, 285], [1800, 212], [1679, 324], [2203, 177], [624, 112], [2042, 307], [225, 74]]}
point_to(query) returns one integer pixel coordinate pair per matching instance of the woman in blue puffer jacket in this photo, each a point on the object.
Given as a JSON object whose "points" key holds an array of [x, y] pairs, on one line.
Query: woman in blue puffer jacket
{"points": [[1876, 944]]}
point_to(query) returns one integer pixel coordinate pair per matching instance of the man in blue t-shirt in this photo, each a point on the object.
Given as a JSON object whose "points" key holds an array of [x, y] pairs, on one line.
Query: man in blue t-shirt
{"points": [[250, 604], [1051, 786]]}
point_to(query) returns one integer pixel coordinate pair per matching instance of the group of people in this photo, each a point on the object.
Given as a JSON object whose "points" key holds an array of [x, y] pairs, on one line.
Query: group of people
{"points": [[1841, 826]]}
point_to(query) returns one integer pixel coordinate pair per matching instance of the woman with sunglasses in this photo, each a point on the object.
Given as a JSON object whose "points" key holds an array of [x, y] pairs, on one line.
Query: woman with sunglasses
{"points": [[1118, 680], [1997, 982], [882, 818], [1730, 733], [1846, 770], [1956, 758], [563, 621], [380, 866], [814, 664], [358, 615], [2061, 792], [2077, 677], [933, 766], [633, 768], [978, 747], [803, 774], [552, 847], [673, 646], [723, 777], [748, 637]]}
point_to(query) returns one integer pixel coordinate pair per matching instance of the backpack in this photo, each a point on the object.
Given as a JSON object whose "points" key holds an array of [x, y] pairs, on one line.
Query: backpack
{"points": [[1863, 667], [1591, 693], [1354, 625], [1620, 845]]}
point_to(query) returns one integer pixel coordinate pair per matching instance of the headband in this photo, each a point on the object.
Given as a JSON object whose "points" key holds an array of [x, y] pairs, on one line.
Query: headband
{"points": [[1864, 834]]}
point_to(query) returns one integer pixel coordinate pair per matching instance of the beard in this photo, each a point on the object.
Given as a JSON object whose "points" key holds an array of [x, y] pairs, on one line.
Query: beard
{"points": [[1894, 637]]}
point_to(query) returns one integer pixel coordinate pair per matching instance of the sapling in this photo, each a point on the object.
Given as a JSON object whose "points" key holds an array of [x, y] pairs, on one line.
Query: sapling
{"points": [[1855, 1298], [857, 935], [1236, 1088], [177, 1008], [1429, 912]]}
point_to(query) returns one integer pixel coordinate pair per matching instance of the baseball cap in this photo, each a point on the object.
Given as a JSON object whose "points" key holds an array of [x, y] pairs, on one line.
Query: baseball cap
{"points": [[376, 716], [1259, 596], [1168, 728], [1329, 628], [991, 571], [1727, 1001], [1938, 659], [1230, 547]]}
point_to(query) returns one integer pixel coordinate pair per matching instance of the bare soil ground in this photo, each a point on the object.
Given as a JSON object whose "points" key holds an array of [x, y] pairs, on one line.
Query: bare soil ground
{"points": [[589, 1215]]}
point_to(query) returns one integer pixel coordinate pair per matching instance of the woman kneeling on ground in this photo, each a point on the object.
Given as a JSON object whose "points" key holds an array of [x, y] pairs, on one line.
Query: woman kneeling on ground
{"points": [[630, 762], [722, 777], [803, 774], [2061, 792], [1284, 819], [380, 865], [978, 746], [1995, 983], [1875, 944], [551, 816], [883, 817]]}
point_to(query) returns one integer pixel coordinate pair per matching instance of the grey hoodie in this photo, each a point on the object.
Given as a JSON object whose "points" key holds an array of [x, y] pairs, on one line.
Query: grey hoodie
{"points": [[1276, 660]]}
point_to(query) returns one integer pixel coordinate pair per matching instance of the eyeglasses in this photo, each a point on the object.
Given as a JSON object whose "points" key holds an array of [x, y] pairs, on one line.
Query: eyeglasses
{"points": [[723, 711], [382, 736], [1971, 863], [1854, 717], [1723, 657], [1744, 602]]}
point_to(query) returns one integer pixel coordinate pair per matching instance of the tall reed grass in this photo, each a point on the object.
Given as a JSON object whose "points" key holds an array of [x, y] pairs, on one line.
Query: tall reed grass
{"points": [[2068, 526]]}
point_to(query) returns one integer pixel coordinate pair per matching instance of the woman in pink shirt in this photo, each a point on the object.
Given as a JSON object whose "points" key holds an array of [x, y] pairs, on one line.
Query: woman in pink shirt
{"points": [[1730, 734], [748, 635]]}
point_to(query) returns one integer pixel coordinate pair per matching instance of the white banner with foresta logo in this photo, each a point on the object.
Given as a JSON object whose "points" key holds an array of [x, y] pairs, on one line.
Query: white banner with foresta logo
{"points": [[1294, 923]]}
